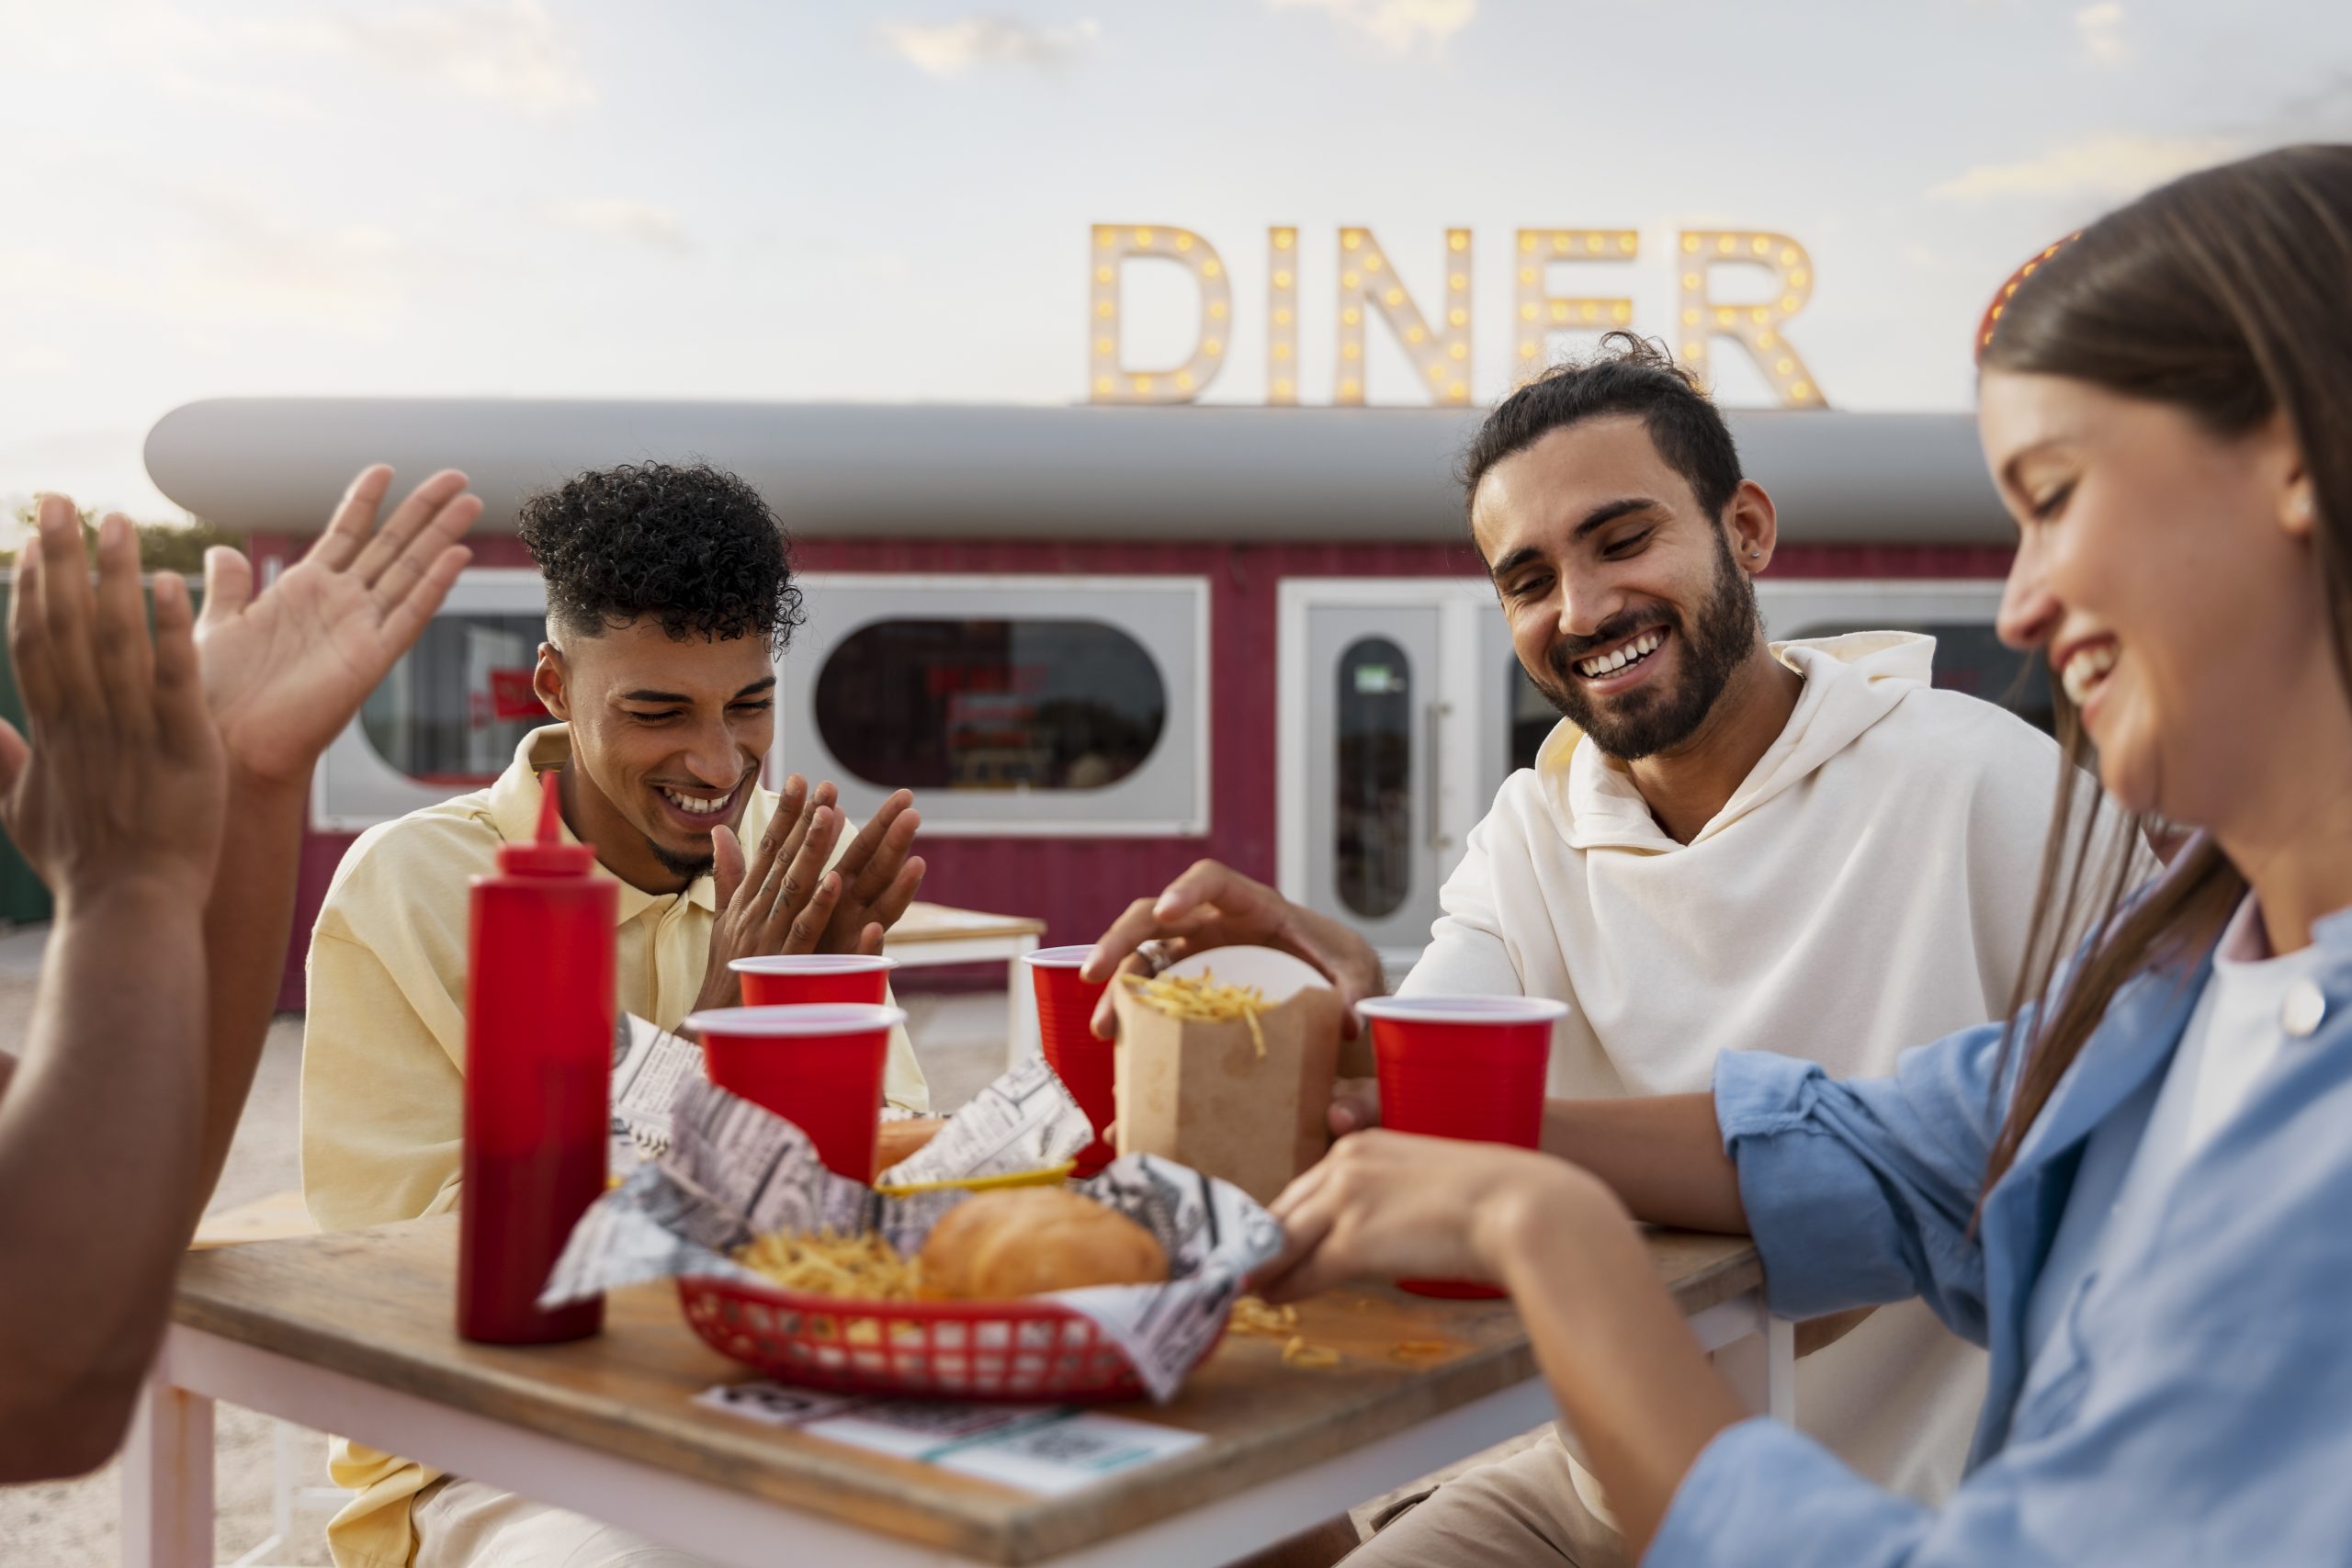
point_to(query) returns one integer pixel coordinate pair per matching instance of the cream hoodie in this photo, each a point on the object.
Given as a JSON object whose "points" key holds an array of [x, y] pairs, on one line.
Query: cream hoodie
{"points": [[1867, 888]]}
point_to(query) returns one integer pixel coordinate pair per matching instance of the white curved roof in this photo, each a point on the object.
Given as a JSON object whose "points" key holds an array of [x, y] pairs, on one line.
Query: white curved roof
{"points": [[836, 470]]}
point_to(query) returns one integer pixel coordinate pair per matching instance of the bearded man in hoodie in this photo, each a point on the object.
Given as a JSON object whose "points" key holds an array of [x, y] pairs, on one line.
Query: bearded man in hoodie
{"points": [[1727, 844]]}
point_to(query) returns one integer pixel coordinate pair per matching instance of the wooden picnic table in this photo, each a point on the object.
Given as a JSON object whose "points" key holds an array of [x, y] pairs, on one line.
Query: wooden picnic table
{"points": [[352, 1333]]}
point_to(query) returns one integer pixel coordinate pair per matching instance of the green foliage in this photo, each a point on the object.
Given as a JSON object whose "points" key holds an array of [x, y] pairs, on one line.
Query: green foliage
{"points": [[162, 547]]}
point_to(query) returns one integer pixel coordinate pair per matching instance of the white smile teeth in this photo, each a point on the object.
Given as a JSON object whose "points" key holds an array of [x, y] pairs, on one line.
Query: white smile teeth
{"points": [[1641, 648], [689, 804], [2085, 669]]}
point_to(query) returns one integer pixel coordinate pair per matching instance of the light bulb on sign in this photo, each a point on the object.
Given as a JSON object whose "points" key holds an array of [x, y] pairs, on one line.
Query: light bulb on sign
{"points": [[1115, 244], [1761, 329], [1442, 353], [1537, 305]]}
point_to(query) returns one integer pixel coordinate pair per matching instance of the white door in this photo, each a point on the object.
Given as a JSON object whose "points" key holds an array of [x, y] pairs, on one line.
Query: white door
{"points": [[1383, 753]]}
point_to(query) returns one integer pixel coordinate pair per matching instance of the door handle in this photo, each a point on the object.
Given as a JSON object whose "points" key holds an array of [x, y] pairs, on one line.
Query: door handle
{"points": [[1433, 774]]}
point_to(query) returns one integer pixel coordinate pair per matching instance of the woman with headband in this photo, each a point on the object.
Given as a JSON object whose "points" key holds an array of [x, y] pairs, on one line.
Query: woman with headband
{"points": [[2135, 1192]]}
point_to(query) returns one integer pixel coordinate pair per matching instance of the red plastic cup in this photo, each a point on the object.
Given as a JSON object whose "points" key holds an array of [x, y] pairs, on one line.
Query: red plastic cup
{"points": [[798, 979], [818, 1066], [1470, 1067], [1087, 1066]]}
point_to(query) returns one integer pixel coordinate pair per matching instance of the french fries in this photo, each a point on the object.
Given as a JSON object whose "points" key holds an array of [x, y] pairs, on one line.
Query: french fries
{"points": [[1414, 1350], [1252, 1314], [1200, 999], [862, 1268], [1299, 1353]]}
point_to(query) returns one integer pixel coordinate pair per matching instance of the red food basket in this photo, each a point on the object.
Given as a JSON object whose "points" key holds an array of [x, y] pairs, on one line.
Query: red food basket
{"points": [[1032, 1351]]}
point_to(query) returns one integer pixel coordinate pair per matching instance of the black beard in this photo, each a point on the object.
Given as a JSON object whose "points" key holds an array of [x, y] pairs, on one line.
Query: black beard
{"points": [[1646, 720], [688, 866]]}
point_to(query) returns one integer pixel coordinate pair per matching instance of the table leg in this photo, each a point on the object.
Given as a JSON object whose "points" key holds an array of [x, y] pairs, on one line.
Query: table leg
{"points": [[1761, 1368], [1780, 1369], [167, 1478], [1020, 1040]]}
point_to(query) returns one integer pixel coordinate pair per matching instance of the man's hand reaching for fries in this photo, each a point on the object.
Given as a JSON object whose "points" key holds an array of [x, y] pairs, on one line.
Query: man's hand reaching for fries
{"points": [[1213, 904]]}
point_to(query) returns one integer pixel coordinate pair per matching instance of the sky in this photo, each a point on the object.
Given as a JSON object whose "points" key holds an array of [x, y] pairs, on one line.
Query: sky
{"points": [[892, 202]]}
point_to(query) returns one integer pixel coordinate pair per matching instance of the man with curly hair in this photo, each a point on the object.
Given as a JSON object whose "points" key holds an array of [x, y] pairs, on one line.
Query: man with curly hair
{"points": [[670, 594]]}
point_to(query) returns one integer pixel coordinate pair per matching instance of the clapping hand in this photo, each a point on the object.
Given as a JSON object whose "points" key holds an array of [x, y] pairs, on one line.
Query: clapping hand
{"points": [[786, 900], [880, 875], [782, 901]]}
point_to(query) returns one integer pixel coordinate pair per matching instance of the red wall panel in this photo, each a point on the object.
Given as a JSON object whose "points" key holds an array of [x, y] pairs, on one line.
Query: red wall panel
{"points": [[1078, 885]]}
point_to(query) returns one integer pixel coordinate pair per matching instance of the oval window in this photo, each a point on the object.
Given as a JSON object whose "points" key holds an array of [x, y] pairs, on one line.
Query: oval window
{"points": [[1374, 821], [991, 704], [458, 704]]}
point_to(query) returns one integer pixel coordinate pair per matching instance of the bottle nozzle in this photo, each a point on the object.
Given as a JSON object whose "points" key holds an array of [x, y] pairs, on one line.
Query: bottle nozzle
{"points": [[546, 854], [551, 807]]}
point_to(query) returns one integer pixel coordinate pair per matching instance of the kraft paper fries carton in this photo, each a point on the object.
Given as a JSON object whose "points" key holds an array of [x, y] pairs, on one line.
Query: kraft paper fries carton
{"points": [[1201, 1093]]}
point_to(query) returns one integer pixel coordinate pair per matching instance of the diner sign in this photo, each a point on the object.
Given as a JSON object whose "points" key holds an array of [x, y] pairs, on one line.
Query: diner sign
{"points": [[1436, 340]]}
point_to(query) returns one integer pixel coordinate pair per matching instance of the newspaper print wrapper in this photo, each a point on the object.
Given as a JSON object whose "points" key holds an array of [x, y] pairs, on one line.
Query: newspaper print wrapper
{"points": [[734, 1170]]}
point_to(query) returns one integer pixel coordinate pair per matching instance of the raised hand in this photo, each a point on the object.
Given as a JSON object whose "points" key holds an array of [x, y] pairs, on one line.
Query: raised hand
{"points": [[285, 669], [880, 875], [122, 782]]}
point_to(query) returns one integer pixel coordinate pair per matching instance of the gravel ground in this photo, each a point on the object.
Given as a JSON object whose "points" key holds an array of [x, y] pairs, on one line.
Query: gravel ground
{"points": [[75, 1524]]}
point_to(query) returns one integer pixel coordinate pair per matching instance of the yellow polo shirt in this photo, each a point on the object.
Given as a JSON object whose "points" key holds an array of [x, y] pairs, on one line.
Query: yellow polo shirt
{"points": [[384, 1045]]}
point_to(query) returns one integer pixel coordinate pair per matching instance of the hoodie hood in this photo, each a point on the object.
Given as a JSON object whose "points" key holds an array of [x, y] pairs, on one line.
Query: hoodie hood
{"points": [[1851, 683]]}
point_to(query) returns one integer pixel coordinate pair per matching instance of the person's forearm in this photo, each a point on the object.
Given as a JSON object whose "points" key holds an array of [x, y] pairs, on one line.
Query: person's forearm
{"points": [[1629, 1378], [246, 927], [99, 1134], [1662, 1155]]}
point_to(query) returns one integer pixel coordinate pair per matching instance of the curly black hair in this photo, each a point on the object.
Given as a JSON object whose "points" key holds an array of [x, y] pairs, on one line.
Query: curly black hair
{"points": [[692, 546]]}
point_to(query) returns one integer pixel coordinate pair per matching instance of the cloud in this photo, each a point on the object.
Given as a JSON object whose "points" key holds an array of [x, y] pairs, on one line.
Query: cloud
{"points": [[507, 53], [617, 218], [2111, 166], [2321, 113], [1398, 25], [244, 97], [233, 261], [947, 50], [2100, 28]]}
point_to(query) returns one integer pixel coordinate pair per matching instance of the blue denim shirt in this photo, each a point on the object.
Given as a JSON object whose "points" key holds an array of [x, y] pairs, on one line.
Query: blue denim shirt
{"points": [[2202, 1412]]}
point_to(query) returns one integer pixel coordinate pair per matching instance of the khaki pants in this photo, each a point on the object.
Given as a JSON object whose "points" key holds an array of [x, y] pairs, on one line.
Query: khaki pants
{"points": [[464, 1524], [1520, 1510]]}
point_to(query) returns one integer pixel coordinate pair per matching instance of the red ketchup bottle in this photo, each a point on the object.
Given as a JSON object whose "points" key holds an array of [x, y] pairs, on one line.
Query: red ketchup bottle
{"points": [[538, 1080]]}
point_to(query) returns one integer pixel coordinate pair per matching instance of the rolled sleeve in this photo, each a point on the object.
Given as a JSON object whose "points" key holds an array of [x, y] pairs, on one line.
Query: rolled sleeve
{"points": [[1861, 1192]]}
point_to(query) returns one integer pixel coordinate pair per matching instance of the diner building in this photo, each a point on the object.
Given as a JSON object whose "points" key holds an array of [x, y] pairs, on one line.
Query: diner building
{"points": [[1098, 643]]}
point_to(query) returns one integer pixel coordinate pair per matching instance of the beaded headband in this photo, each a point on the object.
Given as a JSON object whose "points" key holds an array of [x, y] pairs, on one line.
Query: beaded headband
{"points": [[2001, 299]]}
